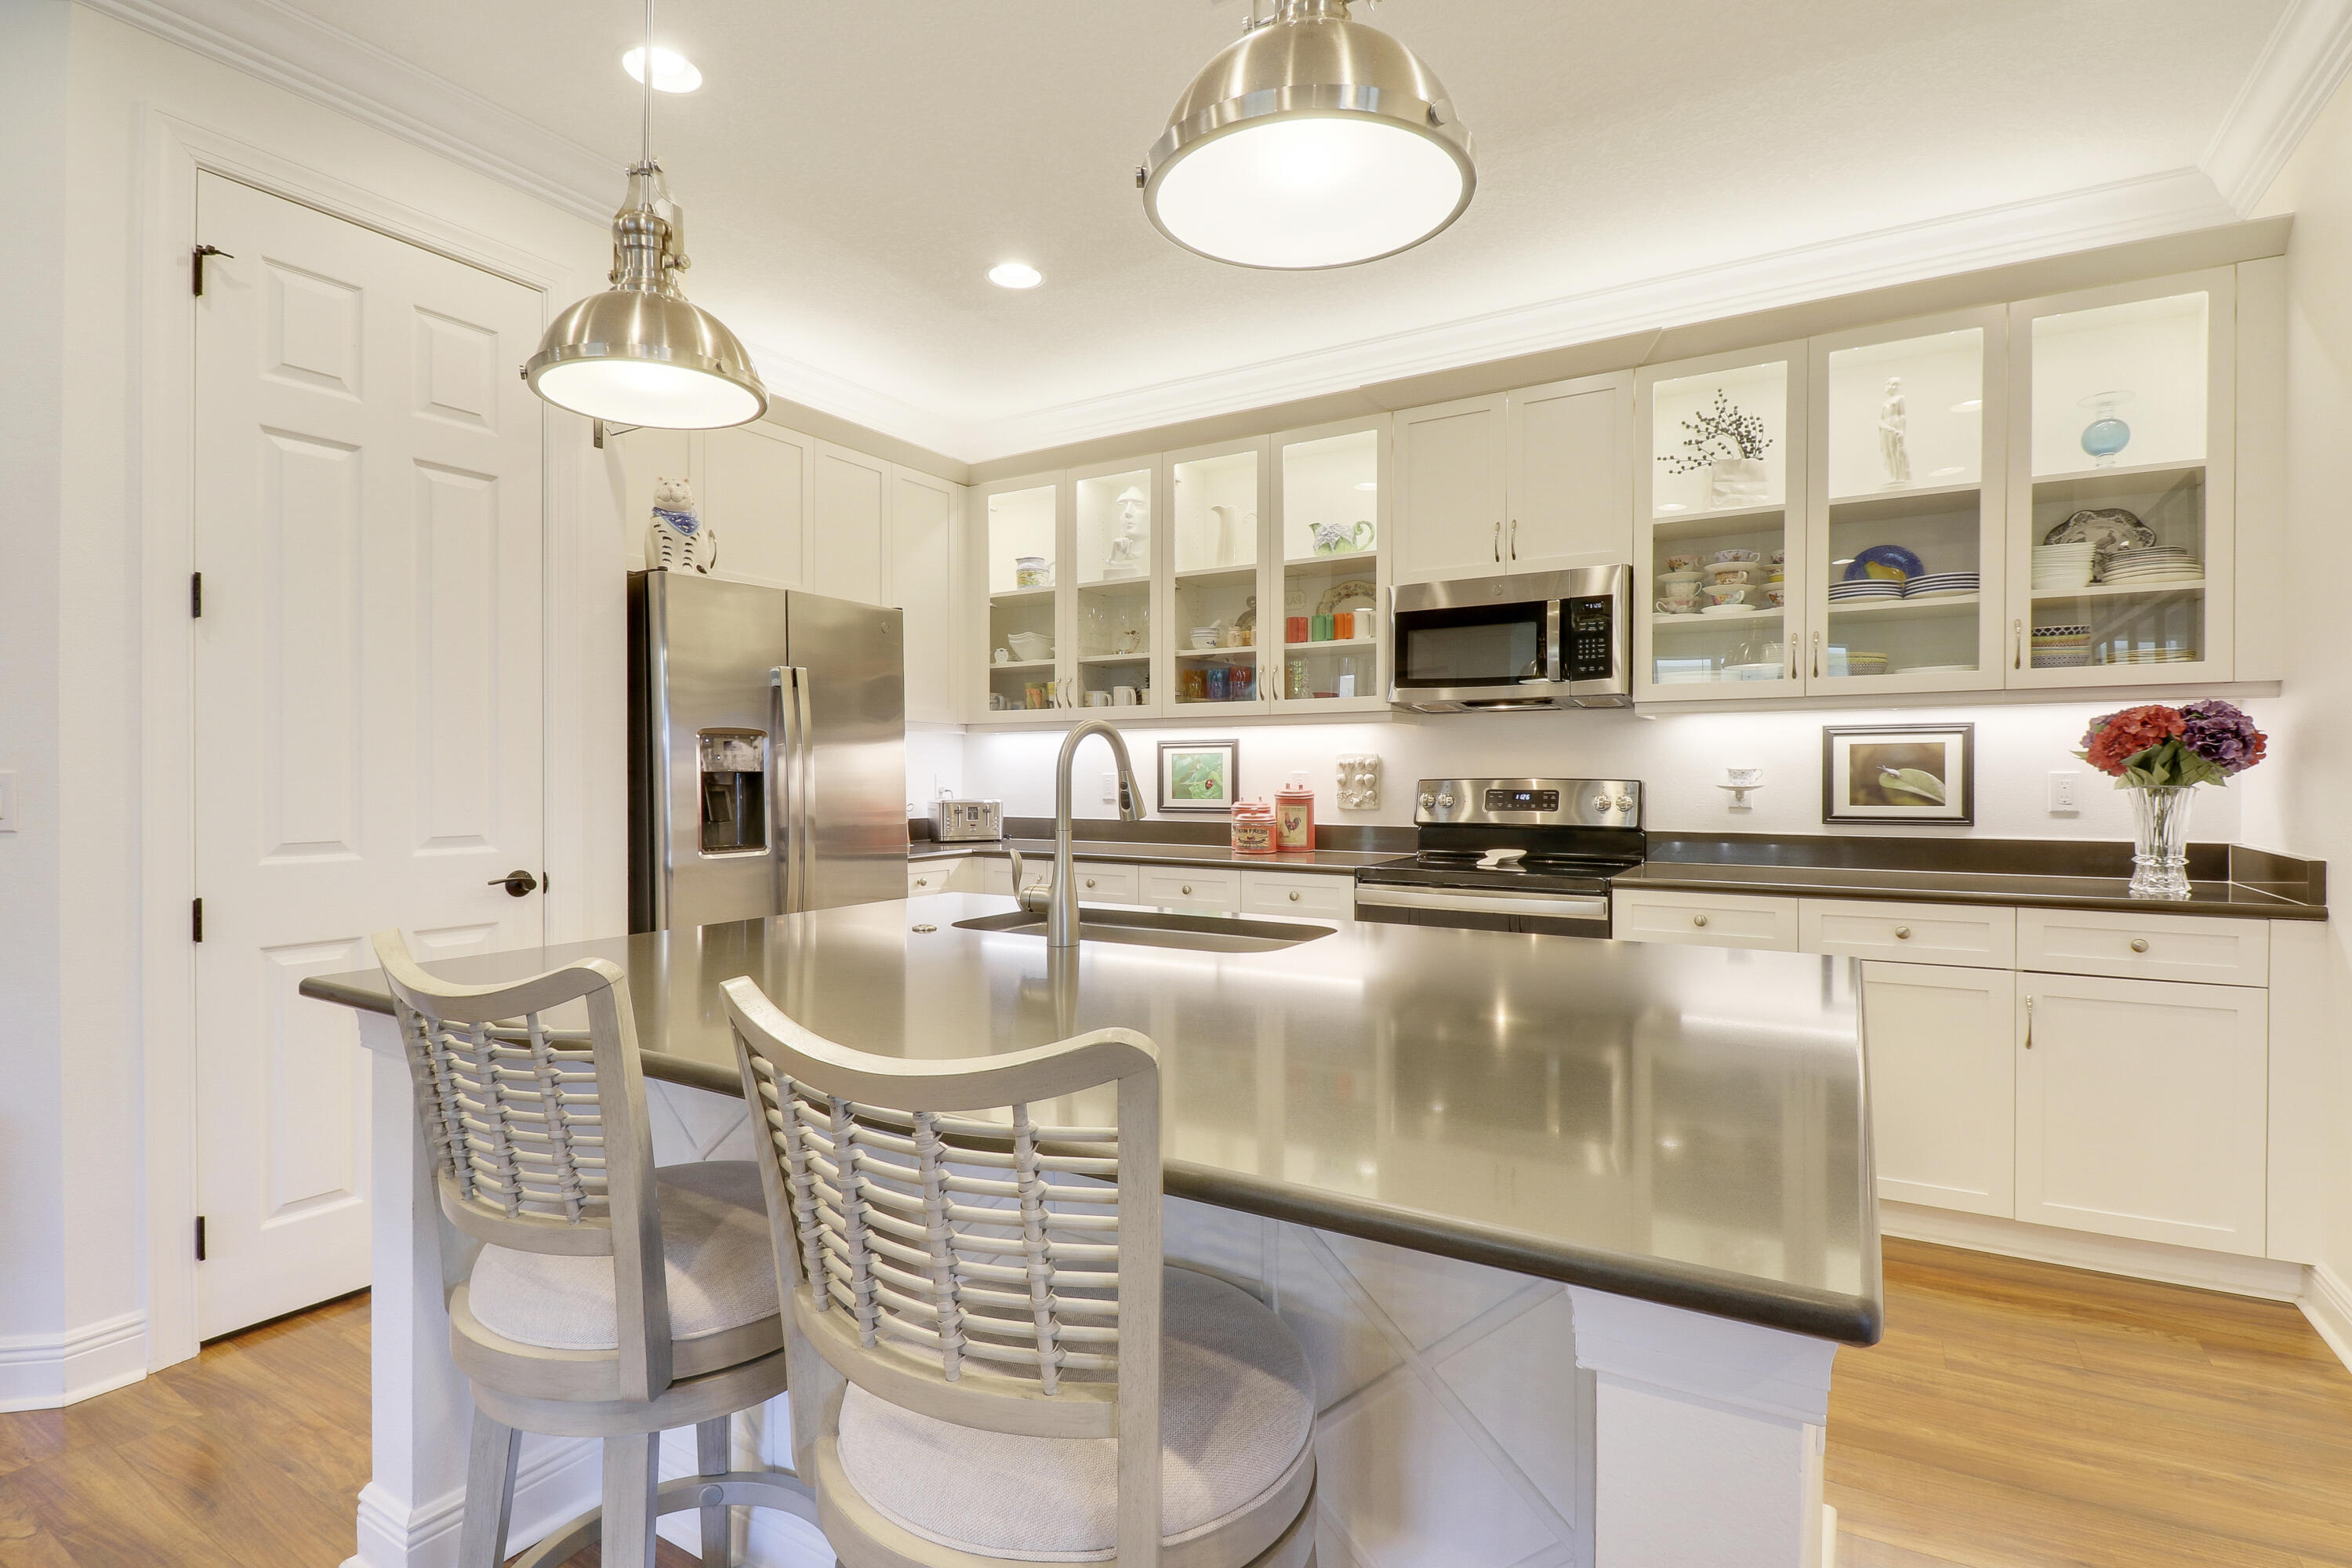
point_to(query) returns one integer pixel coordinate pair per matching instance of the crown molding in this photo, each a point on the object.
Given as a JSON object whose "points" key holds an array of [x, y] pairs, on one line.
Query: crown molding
{"points": [[2144, 208], [2297, 73], [329, 66]]}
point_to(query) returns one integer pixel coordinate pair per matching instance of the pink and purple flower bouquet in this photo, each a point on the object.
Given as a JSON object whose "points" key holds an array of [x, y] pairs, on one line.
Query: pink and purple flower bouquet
{"points": [[2156, 747]]}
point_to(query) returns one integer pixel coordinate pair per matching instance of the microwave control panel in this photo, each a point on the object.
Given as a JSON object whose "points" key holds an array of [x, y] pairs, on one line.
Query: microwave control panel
{"points": [[1589, 632]]}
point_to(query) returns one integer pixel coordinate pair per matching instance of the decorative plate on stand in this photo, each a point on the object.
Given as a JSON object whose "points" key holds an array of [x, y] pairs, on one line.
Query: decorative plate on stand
{"points": [[1356, 594]]}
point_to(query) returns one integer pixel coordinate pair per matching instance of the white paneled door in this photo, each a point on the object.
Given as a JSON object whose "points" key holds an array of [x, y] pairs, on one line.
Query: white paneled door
{"points": [[367, 695]]}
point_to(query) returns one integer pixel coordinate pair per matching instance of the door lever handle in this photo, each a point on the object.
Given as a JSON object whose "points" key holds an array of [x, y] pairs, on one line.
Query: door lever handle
{"points": [[518, 884]]}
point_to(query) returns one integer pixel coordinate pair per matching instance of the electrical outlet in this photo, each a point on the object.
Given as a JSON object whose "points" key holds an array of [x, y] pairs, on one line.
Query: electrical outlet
{"points": [[1110, 788], [2065, 792]]}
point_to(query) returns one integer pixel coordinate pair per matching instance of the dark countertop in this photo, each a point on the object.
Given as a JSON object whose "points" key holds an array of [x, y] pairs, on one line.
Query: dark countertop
{"points": [[1963, 888], [1341, 861], [1683, 1125]]}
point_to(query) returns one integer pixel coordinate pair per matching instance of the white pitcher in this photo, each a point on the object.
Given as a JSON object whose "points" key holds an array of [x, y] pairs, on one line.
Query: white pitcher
{"points": [[1226, 539]]}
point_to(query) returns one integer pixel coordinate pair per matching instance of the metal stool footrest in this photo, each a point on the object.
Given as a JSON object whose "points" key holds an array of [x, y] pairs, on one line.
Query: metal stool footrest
{"points": [[776, 1488]]}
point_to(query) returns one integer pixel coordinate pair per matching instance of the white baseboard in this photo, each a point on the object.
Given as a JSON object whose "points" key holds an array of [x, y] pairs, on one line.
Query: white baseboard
{"points": [[2327, 1301], [1829, 1536], [46, 1372], [2160, 1261], [558, 1479]]}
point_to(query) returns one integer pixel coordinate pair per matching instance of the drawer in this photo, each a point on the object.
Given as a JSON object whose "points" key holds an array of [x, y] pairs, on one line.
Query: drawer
{"points": [[1102, 883], [926, 877], [1963, 934], [2145, 947], [1704, 920], [1192, 888], [1298, 894]]}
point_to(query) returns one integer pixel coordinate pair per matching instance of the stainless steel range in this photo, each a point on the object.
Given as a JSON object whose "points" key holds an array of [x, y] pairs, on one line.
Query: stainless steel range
{"points": [[1524, 855]]}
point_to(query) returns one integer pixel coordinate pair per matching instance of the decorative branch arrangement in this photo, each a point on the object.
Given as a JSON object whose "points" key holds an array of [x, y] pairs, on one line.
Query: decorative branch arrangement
{"points": [[1717, 435]]}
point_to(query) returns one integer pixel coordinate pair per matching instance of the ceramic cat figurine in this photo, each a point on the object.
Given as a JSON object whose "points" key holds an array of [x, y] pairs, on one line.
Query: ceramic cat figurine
{"points": [[677, 539]]}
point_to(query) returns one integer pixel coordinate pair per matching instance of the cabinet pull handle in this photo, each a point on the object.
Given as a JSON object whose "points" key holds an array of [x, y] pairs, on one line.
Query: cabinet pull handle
{"points": [[2029, 1023], [1902, 933], [1515, 538], [1293, 895], [2017, 645], [1793, 658], [1498, 540], [2139, 945], [1698, 919], [1817, 656]]}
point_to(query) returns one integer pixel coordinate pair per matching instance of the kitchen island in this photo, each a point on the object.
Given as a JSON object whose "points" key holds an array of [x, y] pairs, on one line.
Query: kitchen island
{"points": [[1571, 1230]]}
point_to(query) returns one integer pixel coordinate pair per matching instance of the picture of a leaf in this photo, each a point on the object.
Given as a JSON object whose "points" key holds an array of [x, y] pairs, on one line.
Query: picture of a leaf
{"points": [[1913, 783]]}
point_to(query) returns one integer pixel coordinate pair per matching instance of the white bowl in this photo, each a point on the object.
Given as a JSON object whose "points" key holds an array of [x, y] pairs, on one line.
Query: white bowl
{"points": [[1027, 646]]}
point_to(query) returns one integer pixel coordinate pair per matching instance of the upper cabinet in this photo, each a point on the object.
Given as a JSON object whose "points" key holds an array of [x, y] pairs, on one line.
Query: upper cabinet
{"points": [[1329, 569], [1215, 579], [924, 512], [1115, 548], [1535, 480], [2122, 482], [1018, 558], [849, 497]]}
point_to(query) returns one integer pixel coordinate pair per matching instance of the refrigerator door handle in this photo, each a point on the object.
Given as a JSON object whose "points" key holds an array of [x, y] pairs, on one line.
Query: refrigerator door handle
{"points": [[804, 835], [788, 795]]}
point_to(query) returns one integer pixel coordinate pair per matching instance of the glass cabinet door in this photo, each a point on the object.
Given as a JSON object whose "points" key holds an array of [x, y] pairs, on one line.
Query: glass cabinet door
{"points": [[1216, 633], [1718, 612], [1330, 571], [1115, 530], [2121, 555], [1903, 557], [1020, 550]]}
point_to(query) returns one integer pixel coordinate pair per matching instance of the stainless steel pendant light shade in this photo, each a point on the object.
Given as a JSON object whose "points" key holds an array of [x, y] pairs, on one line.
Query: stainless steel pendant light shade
{"points": [[1315, 141], [639, 352]]}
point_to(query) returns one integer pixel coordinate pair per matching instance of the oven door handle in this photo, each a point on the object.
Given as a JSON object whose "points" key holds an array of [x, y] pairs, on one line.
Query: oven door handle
{"points": [[1555, 665], [1483, 901]]}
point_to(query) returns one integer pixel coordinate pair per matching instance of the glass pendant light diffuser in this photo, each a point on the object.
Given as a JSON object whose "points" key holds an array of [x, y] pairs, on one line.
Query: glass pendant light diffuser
{"points": [[1313, 142], [639, 352]]}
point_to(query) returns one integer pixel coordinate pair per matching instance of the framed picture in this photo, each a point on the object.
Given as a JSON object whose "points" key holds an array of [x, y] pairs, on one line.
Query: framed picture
{"points": [[1899, 772], [1199, 775]]}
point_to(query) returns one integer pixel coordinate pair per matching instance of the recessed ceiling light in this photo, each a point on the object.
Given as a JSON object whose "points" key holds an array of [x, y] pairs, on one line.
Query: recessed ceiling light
{"points": [[1014, 275], [673, 73], [1973, 405]]}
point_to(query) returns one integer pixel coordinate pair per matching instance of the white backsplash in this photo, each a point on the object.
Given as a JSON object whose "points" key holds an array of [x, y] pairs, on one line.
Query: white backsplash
{"points": [[1679, 757]]}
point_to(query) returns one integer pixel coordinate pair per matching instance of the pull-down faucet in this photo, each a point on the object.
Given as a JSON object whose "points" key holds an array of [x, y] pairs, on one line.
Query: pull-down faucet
{"points": [[1062, 912]]}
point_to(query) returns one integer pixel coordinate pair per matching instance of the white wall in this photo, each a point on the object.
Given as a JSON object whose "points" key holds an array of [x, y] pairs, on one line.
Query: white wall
{"points": [[2315, 717], [1680, 757]]}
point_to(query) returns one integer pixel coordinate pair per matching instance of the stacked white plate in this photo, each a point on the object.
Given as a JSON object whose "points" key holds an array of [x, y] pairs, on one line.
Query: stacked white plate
{"points": [[2061, 648], [2064, 566], [2150, 565], [1865, 588], [1935, 583], [2170, 653]]}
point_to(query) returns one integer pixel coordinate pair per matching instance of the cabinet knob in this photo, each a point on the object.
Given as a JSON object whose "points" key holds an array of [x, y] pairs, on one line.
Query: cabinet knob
{"points": [[1090, 881], [1903, 933], [1188, 887], [922, 881], [1293, 895], [2139, 945], [1698, 919]]}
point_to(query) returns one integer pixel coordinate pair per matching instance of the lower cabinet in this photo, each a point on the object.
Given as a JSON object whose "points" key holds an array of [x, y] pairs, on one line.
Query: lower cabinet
{"points": [[1943, 1074], [1191, 888], [2142, 1108], [1207, 890]]}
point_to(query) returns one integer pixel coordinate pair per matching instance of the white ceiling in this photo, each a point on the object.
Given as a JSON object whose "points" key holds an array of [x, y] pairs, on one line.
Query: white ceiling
{"points": [[852, 169]]}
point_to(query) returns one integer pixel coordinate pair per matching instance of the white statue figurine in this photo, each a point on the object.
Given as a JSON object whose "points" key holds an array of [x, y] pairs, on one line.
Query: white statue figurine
{"points": [[1127, 550], [677, 539], [1894, 425]]}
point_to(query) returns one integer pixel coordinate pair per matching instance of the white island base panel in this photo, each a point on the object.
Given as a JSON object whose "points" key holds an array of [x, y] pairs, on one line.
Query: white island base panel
{"points": [[1469, 1418]]}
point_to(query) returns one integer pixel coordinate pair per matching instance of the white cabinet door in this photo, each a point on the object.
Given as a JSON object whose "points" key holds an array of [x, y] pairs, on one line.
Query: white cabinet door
{"points": [[1449, 510], [2142, 1108], [1569, 474], [1191, 888], [1313, 894], [931, 875], [923, 562], [752, 488], [1942, 1057], [849, 517]]}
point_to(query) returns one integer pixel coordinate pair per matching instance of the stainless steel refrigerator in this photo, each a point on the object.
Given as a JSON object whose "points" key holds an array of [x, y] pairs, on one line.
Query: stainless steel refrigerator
{"points": [[767, 739]]}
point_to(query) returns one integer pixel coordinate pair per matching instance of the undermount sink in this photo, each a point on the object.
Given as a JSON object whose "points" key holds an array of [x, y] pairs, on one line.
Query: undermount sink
{"points": [[1202, 933]]}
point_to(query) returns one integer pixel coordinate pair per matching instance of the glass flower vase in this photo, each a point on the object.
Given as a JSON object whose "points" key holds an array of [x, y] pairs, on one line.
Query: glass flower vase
{"points": [[2160, 841]]}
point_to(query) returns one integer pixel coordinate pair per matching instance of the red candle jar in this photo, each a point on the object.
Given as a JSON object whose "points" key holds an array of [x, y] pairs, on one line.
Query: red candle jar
{"points": [[1294, 815], [1253, 827]]}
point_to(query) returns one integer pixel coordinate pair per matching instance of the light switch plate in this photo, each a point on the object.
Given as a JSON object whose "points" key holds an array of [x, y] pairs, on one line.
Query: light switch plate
{"points": [[1110, 789], [2065, 792], [7, 803]]}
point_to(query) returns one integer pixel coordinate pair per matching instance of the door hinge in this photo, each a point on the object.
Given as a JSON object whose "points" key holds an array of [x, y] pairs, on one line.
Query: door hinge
{"points": [[196, 267], [200, 1238], [197, 919], [196, 593]]}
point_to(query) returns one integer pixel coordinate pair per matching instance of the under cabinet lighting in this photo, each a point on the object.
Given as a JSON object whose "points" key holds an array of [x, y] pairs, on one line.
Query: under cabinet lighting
{"points": [[1368, 485], [1973, 405], [673, 73], [1014, 275]]}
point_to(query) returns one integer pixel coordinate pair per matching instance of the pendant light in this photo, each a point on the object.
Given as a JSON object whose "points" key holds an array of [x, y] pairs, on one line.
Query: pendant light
{"points": [[1315, 141], [638, 353]]}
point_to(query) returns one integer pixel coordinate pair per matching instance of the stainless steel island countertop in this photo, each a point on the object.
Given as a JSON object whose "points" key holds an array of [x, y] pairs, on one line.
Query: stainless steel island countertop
{"points": [[1683, 1125]]}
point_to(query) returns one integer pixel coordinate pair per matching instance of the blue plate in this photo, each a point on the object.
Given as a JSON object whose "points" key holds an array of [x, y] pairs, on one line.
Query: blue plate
{"points": [[1892, 555]]}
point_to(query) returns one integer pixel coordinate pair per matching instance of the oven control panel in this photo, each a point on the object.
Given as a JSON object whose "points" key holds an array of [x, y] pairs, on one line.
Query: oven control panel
{"points": [[1530, 803], [1523, 800], [1588, 631]]}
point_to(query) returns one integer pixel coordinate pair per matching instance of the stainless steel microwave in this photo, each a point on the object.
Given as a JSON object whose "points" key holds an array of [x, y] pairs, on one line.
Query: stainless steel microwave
{"points": [[1538, 640]]}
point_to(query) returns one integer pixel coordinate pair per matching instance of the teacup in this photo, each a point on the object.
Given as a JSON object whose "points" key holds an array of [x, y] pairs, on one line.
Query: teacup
{"points": [[1776, 595], [1731, 571], [1676, 606], [1728, 593], [1682, 562]]}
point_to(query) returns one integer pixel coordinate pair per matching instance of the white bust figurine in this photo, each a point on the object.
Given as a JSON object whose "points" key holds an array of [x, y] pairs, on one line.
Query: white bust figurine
{"points": [[1126, 559], [1894, 427], [677, 539]]}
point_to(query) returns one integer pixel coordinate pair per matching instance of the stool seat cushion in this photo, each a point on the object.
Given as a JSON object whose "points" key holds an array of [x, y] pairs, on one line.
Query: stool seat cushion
{"points": [[721, 1267], [1237, 1408]]}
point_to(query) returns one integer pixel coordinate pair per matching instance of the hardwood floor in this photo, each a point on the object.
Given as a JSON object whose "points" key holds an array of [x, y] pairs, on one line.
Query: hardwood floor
{"points": [[2022, 1416], [2017, 1415]]}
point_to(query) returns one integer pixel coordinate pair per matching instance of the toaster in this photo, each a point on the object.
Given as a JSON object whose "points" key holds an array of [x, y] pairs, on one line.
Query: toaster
{"points": [[962, 821]]}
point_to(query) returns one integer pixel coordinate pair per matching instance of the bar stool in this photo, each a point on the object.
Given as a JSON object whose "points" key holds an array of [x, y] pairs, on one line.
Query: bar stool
{"points": [[607, 1298], [991, 1364]]}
